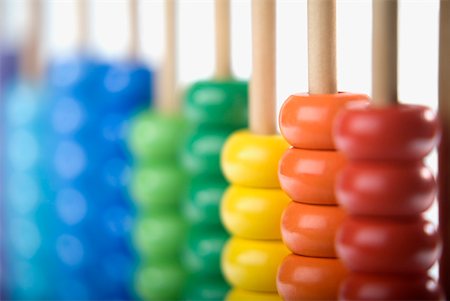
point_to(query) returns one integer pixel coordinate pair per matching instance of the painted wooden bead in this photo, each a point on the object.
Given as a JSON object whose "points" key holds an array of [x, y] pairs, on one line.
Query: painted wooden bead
{"points": [[251, 160], [401, 246], [385, 189], [310, 278], [309, 176], [310, 230], [251, 264], [402, 132], [243, 295], [306, 120], [253, 213]]}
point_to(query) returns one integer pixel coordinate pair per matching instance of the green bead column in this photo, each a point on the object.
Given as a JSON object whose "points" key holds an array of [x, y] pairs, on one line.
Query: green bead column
{"points": [[214, 109], [158, 186]]}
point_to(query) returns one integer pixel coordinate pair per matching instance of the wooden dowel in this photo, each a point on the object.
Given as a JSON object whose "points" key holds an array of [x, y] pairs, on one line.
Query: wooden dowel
{"points": [[384, 53], [322, 46], [83, 25], [134, 29], [168, 100], [262, 106], [30, 56], [223, 62], [444, 148]]}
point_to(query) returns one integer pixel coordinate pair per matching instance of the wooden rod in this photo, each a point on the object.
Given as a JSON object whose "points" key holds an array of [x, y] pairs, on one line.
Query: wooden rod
{"points": [[83, 25], [134, 33], [30, 53], [444, 148], [262, 105], [384, 53], [168, 101], [223, 61], [322, 46]]}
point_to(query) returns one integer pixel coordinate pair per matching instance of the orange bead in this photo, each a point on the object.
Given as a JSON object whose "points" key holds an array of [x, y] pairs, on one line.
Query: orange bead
{"points": [[309, 278], [310, 230], [309, 176], [306, 121]]}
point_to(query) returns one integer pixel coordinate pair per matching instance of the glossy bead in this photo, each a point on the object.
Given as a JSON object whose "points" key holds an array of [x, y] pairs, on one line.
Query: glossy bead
{"points": [[217, 103], [205, 289], [203, 202], [404, 246], [251, 264], [201, 154], [402, 132], [310, 278], [385, 188], [243, 295], [306, 120], [309, 176], [310, 230], [253, 213], [251, 160], [389, 287], [202, 252], [156, 137]]}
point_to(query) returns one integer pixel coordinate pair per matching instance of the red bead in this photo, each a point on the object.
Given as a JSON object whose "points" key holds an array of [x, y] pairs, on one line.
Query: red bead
{"points": [[385, 189], [309, 176], [379, 245], [306, 120], [403, 132], [386, 287], [310, 230]]}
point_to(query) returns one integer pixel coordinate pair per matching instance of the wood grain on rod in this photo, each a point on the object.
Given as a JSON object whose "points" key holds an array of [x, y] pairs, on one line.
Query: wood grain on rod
{"points": [[168, 100], [384, 53], [134, 29], [322, 46], [444, 148], [262, 104], [83, 25], [30, 53], [223, 61]]}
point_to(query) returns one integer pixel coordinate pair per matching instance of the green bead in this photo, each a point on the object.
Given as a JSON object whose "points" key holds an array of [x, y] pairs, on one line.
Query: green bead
{"points": [[201, 154], [218, 103], [156, 137], [158, 187], [200, 289], [203, 202], [160, 236], [202, 253], [160, 281]]}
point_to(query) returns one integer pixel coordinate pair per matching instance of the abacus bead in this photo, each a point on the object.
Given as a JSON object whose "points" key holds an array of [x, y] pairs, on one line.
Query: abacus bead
{"points": [[199, 289], [156, 137], [402, 246], [359, 286], [251, 264], [244, 295], [402, 132], [217, 103], [253, 213], [310, 278], [252, 160], [306, 120], [309, 176], [385, 189], [310, 230]]}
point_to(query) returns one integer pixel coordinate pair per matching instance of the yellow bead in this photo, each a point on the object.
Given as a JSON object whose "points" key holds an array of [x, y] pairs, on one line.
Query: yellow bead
{"points": [[252, 160], [243, 295], [252, 264], [253, 213]]}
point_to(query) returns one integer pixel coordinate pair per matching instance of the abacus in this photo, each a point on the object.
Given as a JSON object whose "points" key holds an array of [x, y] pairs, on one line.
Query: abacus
{"points": [[251, 207], [308, 169]]}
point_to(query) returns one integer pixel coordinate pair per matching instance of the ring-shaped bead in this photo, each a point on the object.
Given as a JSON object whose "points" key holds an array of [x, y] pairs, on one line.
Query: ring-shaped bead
{"points": [[252, 160], [309, 176], [385, 189], [310, 278], [306, 120], [243, 295], [358, 286], [310, 230], [401, 246], [252, 264], [401, 132], [253, 213]]}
